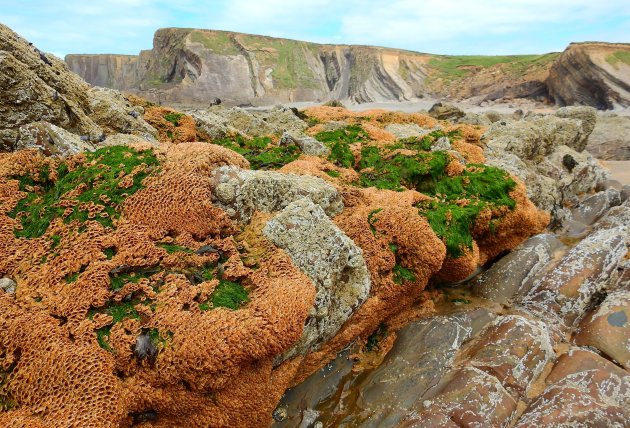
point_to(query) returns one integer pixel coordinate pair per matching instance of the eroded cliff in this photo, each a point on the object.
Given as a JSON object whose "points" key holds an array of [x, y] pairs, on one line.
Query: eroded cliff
{"points": [[192, 67]]}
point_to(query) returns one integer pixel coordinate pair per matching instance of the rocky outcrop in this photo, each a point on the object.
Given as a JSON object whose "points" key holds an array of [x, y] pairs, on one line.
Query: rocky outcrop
{"points": [[332, 262], [593, 74], [38, 87], [547, 152]]}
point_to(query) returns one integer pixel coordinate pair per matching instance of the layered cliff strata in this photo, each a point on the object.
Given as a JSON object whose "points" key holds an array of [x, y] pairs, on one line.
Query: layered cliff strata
{"points": [[193, 67]]}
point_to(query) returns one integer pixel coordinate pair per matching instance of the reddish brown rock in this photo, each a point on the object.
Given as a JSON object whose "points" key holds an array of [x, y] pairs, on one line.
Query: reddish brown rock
{"points": [[563, 294], [584, 390], [472, 398], [515, 350], [608, 328]]}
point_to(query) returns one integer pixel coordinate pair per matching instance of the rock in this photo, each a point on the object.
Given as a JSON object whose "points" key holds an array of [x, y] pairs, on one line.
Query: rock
{"points": [[308, 145], [513, 349], [493, 116], [608, 328], [406, 130], [110, 109], [473, 398], [583, 389], [445, 111], [475, 119], [330, 259], [563, 294], [417, 365], [582, 75], [32, 91], [588, 118], [443, 143], [513, 275], [145, 348], [538, 150], [593, 207], [51, 140], [8, 285], [610, 139], [269, 191], [625, 193], [212, 124], [301, 400], [615, 217], [127, 139]]}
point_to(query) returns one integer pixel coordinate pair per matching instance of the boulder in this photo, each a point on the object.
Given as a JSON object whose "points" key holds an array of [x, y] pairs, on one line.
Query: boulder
{"points": [[515, 350], [407, 130], [607, 328], [583, 389], [594, 206], [51, 140], [587, 117], [512, 276], [331, 260], [445, 111], [8, 285], [110, 109], [541, 151], [472, 398], [240, 192], [442, 144], [308, 145], [563, 294], [417, 366]]}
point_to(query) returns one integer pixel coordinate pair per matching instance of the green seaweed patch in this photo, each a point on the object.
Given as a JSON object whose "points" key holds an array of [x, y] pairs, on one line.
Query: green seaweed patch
{"points": [[101, 173], [427, 141], [227, 294], [118, 281], [332, 173], [119, 311], [173, 118], [398, 172], [483, 187], [161, 341], [173, 248], [338, 141], [371, 219], [109, 252], [402, 274], [260, 151]]}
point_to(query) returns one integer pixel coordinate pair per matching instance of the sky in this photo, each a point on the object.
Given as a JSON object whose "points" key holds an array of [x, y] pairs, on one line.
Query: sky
{"points": [[452, 27]]}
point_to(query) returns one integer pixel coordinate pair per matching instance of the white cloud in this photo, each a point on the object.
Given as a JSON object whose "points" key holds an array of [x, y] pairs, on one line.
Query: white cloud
{"points": [[439, 26]]}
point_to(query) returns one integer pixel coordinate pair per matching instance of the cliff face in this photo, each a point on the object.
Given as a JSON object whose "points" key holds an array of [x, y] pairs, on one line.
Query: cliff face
{"points": [[596, 74], [192, 66], [189, 66]]}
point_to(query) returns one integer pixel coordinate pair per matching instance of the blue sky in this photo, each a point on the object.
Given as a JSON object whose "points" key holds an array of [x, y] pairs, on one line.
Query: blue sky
{"points": [[436, 26]]}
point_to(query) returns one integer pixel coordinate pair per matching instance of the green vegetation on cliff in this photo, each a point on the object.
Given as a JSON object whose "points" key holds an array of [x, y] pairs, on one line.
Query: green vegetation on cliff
{"points": [[618, 57], [217, 41], [458, 67]]}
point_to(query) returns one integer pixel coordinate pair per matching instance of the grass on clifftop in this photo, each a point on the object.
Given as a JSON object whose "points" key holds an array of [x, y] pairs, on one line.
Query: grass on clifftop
{"points": [[216, 41], [618, 57], [101, 175], [457, 67]]}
